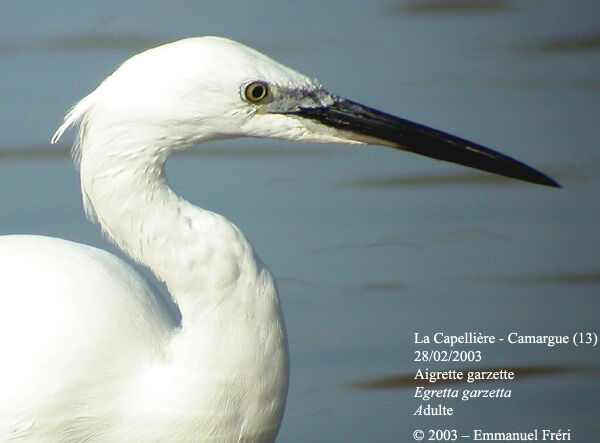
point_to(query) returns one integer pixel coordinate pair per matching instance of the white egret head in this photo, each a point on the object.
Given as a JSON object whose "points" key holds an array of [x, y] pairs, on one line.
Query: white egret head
{"points": [[209, 88]]}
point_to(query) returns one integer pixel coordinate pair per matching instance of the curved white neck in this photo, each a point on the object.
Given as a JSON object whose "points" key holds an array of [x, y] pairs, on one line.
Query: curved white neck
{"points": [[200, 255], [232, 339]]}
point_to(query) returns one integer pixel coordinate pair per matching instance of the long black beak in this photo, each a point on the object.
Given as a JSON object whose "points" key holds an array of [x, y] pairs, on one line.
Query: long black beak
{"points": [[378, 127]]}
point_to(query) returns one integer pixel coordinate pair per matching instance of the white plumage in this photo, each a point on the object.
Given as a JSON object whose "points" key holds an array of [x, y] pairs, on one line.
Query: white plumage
{"points": [[90, 352]]}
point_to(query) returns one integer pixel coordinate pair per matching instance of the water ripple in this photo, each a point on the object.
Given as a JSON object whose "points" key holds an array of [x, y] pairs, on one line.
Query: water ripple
{"points": [[450, 7], [83, 42]]}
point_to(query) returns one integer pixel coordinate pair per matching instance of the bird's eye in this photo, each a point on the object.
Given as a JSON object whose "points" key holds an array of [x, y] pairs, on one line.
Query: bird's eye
{"points": [[256, 91]]}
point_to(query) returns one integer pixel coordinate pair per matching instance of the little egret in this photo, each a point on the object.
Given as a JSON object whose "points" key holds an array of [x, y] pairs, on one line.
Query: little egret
{"points": [[90, 352]]}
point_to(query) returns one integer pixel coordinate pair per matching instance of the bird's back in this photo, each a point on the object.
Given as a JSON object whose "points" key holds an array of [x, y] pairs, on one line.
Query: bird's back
{"points": [[75, 322]]}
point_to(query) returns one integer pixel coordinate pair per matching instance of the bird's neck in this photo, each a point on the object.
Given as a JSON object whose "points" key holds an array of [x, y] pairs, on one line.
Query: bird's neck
{"points": [[232, 342], [201, 256]]}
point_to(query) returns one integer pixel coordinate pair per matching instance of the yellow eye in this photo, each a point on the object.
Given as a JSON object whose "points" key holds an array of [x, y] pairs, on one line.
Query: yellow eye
{"points": [[256, 91]]}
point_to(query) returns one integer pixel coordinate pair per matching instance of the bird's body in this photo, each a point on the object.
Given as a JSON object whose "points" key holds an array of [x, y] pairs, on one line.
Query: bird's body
{"points": [[90, 352], [95, 353]]}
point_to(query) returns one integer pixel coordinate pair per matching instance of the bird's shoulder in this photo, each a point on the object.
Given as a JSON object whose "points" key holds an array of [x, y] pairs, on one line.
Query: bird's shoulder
{"points": [[71, 315]]}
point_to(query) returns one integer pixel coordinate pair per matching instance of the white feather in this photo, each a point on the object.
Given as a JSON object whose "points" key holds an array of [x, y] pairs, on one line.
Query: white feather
{"points": [[92, 354]]}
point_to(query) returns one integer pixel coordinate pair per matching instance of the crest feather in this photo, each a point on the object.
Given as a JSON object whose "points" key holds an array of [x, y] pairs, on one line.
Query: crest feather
{"points": [[76, 114]]}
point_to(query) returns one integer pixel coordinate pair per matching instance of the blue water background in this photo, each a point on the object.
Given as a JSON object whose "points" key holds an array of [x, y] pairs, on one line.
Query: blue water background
{"points": [[369, 244]]}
